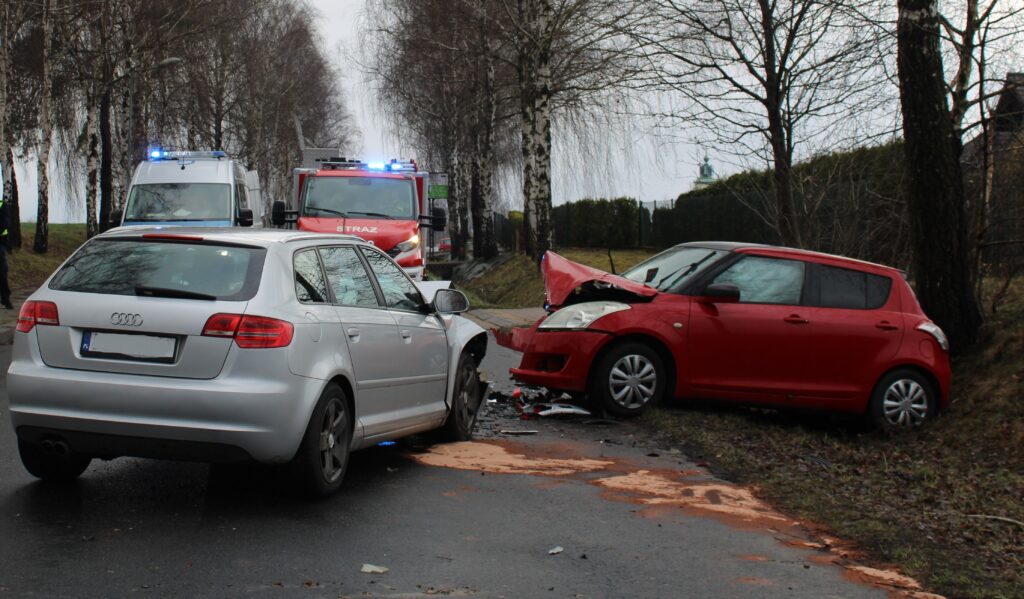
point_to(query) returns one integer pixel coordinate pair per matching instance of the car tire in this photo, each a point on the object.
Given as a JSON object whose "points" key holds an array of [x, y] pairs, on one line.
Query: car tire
{"points": [[320, 463], [466, 399], [902, 400], [628, 378], [51, 467]]}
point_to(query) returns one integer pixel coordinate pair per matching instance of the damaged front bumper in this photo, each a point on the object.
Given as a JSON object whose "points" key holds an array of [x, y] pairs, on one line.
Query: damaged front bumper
{"points": [[557, 360]]}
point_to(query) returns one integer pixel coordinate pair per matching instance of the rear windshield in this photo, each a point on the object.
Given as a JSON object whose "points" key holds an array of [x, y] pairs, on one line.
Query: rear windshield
{"points": [[163, 202], [163, 269], [359, 197]]}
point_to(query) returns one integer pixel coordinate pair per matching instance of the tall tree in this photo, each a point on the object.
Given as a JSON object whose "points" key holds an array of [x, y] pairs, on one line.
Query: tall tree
{"points": [[767, 76], [936, 199], [41, 242]]}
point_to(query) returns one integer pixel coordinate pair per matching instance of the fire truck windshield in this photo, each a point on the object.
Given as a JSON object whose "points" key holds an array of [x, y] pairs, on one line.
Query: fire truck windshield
{"points": [[359, 197]]}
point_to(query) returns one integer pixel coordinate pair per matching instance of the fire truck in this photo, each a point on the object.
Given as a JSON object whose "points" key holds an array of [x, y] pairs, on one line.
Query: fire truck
{"points": [[385, 203]]}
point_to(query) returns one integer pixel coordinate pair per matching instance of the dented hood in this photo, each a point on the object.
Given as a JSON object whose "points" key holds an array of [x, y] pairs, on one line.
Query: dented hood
{"points": [[567, 282]]}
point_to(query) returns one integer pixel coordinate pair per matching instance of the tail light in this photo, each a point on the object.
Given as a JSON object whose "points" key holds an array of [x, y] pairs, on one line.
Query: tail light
{"points": [[33, 313], [250, 331]]}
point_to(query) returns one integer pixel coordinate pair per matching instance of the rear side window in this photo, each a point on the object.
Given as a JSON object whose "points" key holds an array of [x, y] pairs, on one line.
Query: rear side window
{"points": [[348, 279], [160, 268], [766, 280], [310, 285], [851, 289]]}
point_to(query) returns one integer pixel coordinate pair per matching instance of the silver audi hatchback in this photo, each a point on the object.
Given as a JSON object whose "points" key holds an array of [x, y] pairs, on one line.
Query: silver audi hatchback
{"points": [[224, 345]]}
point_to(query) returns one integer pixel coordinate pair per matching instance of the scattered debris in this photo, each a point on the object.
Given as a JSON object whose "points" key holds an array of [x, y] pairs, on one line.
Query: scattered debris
{"points": [[371, 569], [551, 409], [555, 550], [518, 432]]}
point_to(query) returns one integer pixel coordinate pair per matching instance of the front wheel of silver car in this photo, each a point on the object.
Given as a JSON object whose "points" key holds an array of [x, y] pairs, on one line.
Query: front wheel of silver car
{"points": [[466, 398], [628, 378], [322, 458], [58, 464], [903, 400]]}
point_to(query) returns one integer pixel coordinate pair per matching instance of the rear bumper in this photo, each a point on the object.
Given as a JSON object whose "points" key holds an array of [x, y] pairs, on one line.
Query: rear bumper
{"points": [[259, 410], [560, 359]]}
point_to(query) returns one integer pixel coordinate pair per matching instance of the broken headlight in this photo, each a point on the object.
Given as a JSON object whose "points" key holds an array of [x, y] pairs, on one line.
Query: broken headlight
{"points": [[581, 316]]}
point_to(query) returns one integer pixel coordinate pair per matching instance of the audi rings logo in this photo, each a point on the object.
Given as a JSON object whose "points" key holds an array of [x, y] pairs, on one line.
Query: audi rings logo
{"points": [[126, 320]]}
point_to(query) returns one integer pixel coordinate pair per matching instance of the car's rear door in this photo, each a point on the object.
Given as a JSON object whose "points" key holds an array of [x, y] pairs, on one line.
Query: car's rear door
{"points": [[855, 327], [422, 356], [371, 335], [752, 350]]}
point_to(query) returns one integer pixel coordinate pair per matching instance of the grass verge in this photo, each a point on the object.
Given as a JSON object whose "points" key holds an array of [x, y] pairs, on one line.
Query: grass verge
{"points": [[927, 502], [516, 283], [28, 269]]}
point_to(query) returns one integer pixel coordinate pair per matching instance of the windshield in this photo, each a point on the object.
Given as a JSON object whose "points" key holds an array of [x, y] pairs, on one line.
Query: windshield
{"points": [[168, 269], [359, 197], [162, 202], [671, 267]]}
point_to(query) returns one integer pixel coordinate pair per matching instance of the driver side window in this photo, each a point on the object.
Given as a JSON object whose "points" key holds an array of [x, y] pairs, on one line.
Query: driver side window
{"points": [[766, 280], [399, 292]]}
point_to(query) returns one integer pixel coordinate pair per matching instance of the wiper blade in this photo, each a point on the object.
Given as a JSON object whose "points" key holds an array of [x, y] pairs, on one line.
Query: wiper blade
{"points": [[374, 214], [327, 210], [147, 291]]}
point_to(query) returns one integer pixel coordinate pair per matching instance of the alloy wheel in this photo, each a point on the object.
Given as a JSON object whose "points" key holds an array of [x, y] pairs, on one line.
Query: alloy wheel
{"points": [[333, 441]]}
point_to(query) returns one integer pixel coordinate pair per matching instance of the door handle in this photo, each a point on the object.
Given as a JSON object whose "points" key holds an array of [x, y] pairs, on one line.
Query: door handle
{"points": [[795, 319], [406, 336], [353, 333], [885, 325]]}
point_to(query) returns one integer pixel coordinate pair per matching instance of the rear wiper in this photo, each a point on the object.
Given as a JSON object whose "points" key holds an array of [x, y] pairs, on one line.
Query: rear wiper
{"points": [[327, 210], [376, 214], [147, 291]]}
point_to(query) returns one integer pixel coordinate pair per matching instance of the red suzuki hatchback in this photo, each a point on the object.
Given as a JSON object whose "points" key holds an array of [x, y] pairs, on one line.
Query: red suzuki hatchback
{"points": [[750, 323]]}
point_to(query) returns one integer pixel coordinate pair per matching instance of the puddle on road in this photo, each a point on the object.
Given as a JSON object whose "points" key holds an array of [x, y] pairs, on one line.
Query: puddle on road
{"points": [[662, 492]]}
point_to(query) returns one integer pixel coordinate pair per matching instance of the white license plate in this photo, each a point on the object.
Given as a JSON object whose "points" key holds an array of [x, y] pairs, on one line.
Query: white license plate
{"points": [[132, 347]]}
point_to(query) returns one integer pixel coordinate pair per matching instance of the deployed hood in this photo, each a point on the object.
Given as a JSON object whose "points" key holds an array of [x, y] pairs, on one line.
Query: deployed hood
{"points": [[567, 282]]}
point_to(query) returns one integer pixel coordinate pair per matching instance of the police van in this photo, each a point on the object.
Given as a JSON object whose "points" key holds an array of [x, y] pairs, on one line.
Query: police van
{"points": [[193, 189]]}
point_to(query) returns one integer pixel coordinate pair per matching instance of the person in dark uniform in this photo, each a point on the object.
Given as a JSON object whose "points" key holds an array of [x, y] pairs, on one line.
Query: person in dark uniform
{"points": [[5, 288]]}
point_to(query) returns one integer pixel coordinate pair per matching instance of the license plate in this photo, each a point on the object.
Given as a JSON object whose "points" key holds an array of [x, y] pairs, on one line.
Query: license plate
{"points": [[149, 348]]}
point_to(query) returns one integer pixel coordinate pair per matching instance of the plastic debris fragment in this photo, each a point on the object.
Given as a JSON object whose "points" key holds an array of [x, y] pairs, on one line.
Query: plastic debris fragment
{"points": [[371, 569]]}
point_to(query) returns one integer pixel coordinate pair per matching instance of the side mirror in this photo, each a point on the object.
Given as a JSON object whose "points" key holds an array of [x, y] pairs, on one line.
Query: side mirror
{"points": [[244, 217], [450, 301], [721, 293], [277, 213], [115, 218], [433, 222]]}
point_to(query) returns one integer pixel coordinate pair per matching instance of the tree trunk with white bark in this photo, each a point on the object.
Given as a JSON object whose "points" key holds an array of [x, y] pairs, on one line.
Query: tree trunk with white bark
{"points": [[41, 242]]}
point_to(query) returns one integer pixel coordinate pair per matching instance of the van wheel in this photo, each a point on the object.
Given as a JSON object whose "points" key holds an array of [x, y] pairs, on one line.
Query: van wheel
{"points": [[903, 399], [466, 398], [320, 463], [627, 379], [49, 466]]}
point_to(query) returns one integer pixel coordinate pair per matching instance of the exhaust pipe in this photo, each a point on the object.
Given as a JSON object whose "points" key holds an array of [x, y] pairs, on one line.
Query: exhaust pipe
{"points": [[57, 447]]}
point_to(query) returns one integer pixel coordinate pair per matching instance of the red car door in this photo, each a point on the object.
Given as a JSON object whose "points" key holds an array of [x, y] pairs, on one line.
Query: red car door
{"points": [[856, 327], [753, 350]]}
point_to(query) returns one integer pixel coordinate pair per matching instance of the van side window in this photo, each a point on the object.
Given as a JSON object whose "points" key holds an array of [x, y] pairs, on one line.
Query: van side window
{"points": [[850, 289], [241, 193]]}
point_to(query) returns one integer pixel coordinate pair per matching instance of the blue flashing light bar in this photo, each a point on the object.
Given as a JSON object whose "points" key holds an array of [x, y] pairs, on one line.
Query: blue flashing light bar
{"points": [[375, 166], [158, 154]]}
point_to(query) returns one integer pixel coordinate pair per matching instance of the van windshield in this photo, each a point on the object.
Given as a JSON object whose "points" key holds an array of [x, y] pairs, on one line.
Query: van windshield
{"points": [[162, 202], [359, 197]]}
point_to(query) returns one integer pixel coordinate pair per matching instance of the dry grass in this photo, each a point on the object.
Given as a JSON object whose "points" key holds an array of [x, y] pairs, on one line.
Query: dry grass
{"points": [[29, 269], [517, 283]]}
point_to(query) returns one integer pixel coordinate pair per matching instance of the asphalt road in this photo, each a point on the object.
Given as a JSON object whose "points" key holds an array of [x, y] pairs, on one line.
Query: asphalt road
{"points": [[445, 521]]}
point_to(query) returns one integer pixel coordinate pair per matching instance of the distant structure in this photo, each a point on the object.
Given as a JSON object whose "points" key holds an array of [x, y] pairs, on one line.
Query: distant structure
{"points": [[707, 175]]}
